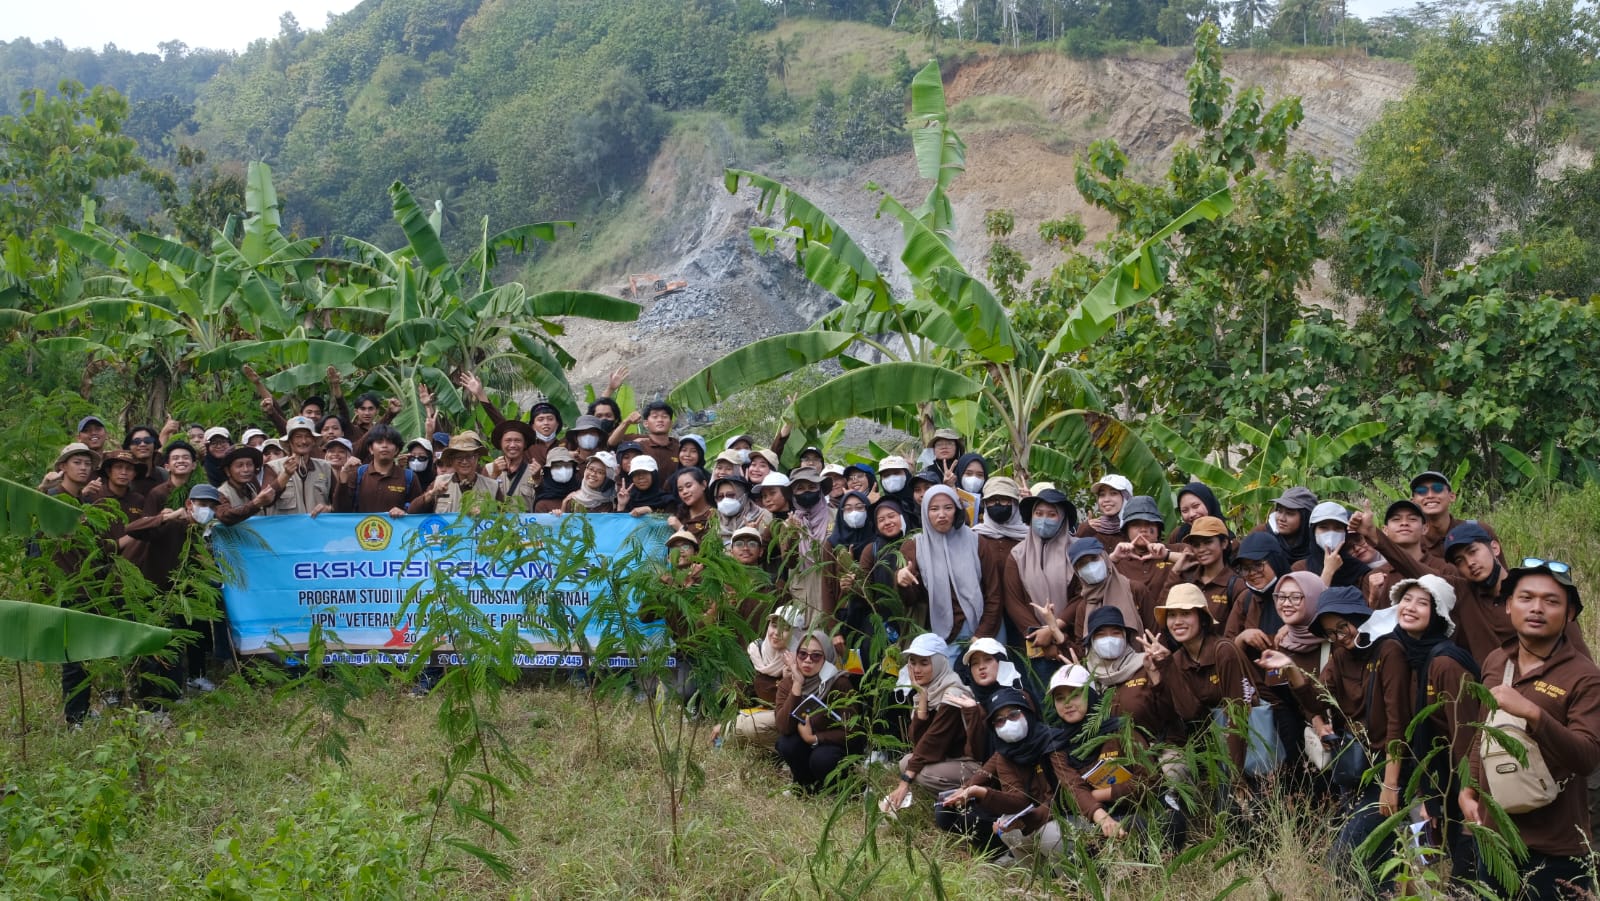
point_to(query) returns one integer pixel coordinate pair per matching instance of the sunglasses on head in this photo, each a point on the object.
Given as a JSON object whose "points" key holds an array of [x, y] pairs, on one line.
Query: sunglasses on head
{"points": [[1427, 487], [1555, 566]]}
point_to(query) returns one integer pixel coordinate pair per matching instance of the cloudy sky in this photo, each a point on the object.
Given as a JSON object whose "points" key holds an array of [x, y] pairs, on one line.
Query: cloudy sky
{"points": [[140, 25]]}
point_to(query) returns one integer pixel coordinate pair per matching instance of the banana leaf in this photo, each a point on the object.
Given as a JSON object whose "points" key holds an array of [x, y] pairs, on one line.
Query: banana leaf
{"points": [[1133, 280], [886, 386], [27, 510], [755, 364], [40, 633]]}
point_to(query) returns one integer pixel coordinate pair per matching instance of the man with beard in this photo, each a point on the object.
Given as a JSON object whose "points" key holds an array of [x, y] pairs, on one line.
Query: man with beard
{"points": [[517, 474], [1539, 676], [1481, 581]]}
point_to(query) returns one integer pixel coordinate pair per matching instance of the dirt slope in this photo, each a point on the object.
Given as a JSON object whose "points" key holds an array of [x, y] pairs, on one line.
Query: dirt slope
{"points": [[1023, 118]]}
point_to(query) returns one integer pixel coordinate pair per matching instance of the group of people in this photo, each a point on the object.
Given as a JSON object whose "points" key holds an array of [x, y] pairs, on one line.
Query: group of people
{"points": [[1054, 667]]}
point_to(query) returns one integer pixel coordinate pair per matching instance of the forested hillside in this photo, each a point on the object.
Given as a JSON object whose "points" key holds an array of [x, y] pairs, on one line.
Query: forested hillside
{"points": [[520, 109]]}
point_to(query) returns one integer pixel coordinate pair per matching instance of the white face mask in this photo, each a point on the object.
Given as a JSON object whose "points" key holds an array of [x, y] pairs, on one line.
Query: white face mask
{"points": [[418, 465], [728, 506], [1012, 731], [894, 483], [588, 442], [562, 474], [1109, 647], [1330, 541], [744, 458], [1093, 572], [544, 437], [972, 484], [203, 515], [855, 519]]}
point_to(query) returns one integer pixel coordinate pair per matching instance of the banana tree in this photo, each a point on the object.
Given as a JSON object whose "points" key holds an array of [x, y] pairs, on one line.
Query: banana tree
{"points": [[947, 353], [1279, 459], [162, 305], [394, 319], [41, 633]]}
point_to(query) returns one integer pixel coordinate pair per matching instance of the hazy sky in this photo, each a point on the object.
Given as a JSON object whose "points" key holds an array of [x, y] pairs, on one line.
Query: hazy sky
{"points": [[140, 25]]}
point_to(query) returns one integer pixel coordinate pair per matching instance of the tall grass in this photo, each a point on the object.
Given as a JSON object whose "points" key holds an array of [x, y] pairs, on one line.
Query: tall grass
{"points": [[229, 789]]}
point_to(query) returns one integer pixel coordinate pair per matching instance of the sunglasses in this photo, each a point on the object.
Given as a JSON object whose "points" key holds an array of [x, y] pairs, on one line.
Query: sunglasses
{"points": [[1555, 566], [145, 440], [1429, 487], [808, 656]]}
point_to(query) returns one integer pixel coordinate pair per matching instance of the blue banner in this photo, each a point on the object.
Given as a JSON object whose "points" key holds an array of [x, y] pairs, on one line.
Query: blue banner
{"points": [[351, 573]]}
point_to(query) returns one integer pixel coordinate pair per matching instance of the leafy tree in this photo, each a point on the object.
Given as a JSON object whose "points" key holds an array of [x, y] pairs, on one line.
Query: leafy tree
{"points": [[1459, 159], [1215, 348], [54, 157]]}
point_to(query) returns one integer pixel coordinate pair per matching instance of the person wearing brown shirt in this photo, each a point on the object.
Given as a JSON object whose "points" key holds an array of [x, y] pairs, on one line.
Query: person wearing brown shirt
{"points": [[1206, 566], [1480, 586], [1037, 585], [944, 752], [1200, 671], [1119, 668], [942, 573], [1026, 768], [1431, 492], [815, 743], [1373, 692], [657, 440], [382, 486], [1556, 690]]}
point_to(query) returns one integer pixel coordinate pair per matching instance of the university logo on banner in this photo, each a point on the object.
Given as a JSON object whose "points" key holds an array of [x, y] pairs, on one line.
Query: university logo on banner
{"points": [[374, 533]]}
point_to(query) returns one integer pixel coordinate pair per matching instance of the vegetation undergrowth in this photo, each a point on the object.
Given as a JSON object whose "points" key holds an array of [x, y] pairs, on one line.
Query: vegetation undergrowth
{"points": [[235, 800]]}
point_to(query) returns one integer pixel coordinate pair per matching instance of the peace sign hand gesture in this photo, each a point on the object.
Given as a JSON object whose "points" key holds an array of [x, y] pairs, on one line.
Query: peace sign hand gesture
{"points": [[1155, 653]]}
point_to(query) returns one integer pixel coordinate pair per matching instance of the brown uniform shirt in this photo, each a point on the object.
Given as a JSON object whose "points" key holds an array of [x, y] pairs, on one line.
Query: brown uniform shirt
{"points": [[916, 597], [1198, 685], [1567, 690], [378, 493], [827, 730], [940, 737]]}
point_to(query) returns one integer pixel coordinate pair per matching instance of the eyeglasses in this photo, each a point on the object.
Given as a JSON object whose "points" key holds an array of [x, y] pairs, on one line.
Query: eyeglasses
{"points": [[1292, 599], [1342, 630], [1427, 487], [746, 543], [1248, 566], [1007, 717], [144, 440], [808, 656], [1555, 566]]}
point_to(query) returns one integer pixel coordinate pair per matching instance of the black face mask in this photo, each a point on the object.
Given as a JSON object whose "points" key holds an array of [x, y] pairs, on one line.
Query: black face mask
{"points": [[808, 499], [999, 512], [607, 426]]}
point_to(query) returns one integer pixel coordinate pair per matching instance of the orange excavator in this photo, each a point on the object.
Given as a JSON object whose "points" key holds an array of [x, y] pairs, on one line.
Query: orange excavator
{"points": [[657, 285]]}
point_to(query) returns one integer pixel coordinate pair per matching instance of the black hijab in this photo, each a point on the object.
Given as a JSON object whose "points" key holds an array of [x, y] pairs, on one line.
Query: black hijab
{"points": [[966, 460], [855, 539], [1036, 745], [1078, 740], [1208, 497], [885, 559]]}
